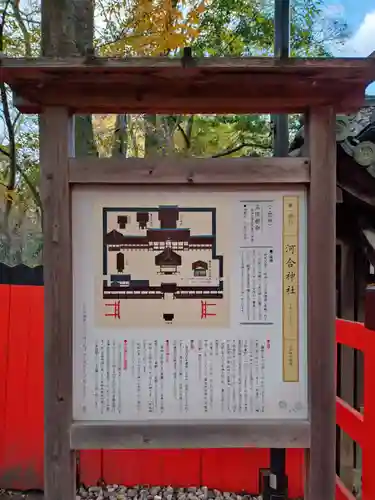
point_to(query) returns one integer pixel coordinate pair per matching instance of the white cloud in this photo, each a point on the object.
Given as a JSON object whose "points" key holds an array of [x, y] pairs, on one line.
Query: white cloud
{"points": [[362, 42]]}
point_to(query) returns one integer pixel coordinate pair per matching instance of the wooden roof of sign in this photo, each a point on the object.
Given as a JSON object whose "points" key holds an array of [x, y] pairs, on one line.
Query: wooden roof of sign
{"points": [[187, 85]]}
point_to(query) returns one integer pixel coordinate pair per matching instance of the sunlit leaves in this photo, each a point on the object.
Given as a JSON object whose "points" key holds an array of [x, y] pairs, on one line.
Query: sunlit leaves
{"points": [[149, 27], [22, 28]]}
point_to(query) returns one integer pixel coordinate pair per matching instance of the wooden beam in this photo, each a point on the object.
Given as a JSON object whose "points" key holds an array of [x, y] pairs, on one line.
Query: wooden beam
{"points": [[226, 434], [206, 85], [32, 99], [358, 66], [321, 290], [59, 460], [189, 171]]}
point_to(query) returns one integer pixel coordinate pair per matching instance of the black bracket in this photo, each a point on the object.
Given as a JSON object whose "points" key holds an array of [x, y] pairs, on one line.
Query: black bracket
{"points": [[273, 486], [187, 59]]}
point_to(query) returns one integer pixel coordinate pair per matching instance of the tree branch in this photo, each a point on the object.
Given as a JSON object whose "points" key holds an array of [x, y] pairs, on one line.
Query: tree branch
{"points": [[187, 134], [25, 177], [8, 121], [189, 129], [32, 188], [184, 135], [237, 148], [2, 24], [12, 142], [4, 152], [16, 119], [22, 26]]}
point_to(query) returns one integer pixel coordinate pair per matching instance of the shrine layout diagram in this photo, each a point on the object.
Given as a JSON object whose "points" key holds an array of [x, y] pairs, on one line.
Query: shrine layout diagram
{"points": [[161, 266]]}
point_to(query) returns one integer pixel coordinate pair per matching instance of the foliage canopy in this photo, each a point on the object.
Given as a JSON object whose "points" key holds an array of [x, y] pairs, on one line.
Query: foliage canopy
{"points": [[134, 28]]}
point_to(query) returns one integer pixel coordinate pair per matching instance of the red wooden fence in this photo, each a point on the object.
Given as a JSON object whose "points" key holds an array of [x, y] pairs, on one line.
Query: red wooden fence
{"points": [[21, 420], [361, 428], [21, 423]]}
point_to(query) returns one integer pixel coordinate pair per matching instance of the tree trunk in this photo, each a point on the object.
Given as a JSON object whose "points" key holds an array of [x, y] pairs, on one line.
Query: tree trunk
{"points": [[151, 139], [68, 30], [120, 139], [58, 38]]}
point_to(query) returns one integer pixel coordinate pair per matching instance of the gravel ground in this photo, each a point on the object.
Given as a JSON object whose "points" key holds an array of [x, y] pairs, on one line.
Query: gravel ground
{"points": [[19, 495], [118, 492]]}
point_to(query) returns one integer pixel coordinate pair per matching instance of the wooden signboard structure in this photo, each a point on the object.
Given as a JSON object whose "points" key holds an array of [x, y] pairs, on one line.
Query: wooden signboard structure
{"points": [[189, 302]]}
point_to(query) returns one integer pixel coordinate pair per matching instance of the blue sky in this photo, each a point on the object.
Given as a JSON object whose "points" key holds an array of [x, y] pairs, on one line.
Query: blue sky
{"points": [[360, 16]]}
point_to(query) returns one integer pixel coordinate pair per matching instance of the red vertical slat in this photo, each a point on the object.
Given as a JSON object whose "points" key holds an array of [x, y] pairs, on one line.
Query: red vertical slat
{"points": [[17, 473], [90, 466], [4, 334], [34, 393], [181, 468], [132, 467], [234, 469], [156, 467], [295, 472]]}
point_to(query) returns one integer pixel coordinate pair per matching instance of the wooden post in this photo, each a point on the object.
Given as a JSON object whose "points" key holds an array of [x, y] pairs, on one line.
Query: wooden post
{"points": [[347, 304], [59, 460], [360, 364], [361, 271], [370, 307], [321, 282]]}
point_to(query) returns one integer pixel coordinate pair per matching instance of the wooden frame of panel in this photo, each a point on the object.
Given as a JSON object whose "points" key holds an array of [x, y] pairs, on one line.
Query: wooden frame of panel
{"points": [[36, 84], [60, 172]]}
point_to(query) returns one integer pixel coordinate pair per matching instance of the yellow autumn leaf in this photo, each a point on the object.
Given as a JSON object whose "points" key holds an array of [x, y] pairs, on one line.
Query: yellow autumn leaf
{"points": [[158, 27], [194, 17], [7, 194], [201, 8]]}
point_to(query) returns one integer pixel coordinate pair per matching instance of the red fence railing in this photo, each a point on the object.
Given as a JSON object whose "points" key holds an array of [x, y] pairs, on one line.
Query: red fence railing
{"points": [[361, 428]]}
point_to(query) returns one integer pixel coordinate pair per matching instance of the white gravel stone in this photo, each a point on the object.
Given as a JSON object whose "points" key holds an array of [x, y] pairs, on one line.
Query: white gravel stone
{"points": [[95, 489], [121, 492]]}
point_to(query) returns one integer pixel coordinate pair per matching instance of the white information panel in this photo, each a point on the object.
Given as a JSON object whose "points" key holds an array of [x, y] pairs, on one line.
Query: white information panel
{"points": [[189, 304]]}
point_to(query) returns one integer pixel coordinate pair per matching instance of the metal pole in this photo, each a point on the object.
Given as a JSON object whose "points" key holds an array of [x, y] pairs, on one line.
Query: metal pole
{"points": [[282, 50], [278, 484]]}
